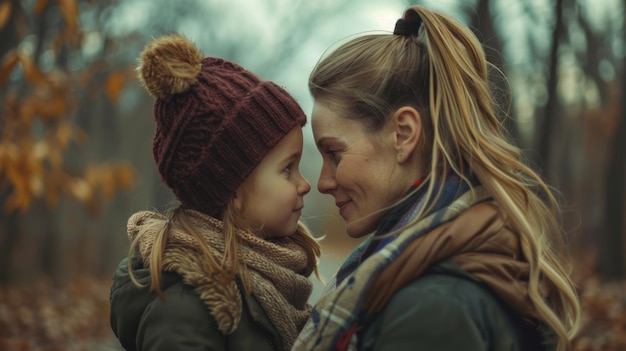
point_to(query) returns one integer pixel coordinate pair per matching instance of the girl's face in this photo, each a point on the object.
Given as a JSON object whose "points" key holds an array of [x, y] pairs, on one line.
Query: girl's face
{"points": [[359, 169], [272, 197]]}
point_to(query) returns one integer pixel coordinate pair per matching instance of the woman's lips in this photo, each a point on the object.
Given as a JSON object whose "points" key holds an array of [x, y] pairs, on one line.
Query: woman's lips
{"points": [[342, 206]]}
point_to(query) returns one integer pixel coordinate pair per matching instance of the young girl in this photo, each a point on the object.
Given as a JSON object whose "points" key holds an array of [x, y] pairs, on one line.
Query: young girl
{"points": [[228, 269]]}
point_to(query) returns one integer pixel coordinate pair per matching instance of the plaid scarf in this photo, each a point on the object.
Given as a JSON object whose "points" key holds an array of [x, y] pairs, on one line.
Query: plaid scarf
{"points": [[334, 319]]}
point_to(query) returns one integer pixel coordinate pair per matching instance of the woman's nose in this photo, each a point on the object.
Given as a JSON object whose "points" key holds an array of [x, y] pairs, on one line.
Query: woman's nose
{"points": [[326, 183]]}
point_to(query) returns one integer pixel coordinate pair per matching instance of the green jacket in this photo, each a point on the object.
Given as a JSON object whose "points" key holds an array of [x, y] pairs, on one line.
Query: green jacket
{"points": [[460, 284], [142, 321], [447, 309]]}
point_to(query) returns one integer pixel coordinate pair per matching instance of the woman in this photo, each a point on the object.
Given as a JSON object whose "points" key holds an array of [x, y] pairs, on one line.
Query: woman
{"points": [[465, 250]]}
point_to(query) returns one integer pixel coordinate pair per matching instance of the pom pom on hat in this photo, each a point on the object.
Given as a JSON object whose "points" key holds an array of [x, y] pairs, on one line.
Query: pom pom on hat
{"points": [[169, 65], [215, 121]]}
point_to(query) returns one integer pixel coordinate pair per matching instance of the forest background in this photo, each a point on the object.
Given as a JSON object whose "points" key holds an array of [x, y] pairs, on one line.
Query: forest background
{"points": [[76, 130]]}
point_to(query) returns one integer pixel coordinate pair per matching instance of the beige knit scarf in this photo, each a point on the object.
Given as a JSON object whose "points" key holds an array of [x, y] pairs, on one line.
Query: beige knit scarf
{"points": [[279, 271]]}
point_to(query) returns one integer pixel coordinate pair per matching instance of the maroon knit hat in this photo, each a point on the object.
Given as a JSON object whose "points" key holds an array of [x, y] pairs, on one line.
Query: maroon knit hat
{"points": [[215, 121]]}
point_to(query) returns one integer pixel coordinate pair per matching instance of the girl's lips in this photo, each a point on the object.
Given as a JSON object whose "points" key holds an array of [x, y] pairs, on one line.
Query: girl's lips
{"points": [[298, 211]]}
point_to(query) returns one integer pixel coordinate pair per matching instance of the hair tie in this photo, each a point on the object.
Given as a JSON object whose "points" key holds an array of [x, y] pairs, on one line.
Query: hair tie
{"points": [[404, 27]]}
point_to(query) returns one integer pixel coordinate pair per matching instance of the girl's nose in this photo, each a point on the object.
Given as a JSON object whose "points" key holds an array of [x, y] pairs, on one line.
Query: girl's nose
{"points": [[304, 187]]}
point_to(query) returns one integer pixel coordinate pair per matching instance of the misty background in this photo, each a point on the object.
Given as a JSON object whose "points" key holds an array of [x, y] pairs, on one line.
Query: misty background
{"points": [[76, 132]]}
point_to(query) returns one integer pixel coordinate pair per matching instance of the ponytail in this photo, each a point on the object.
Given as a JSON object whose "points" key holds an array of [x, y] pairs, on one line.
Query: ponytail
{"points": [[441, 70]]}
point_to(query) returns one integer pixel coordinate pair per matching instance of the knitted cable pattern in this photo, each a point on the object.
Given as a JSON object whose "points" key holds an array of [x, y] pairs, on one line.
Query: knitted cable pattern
{"points": [[279, 271]]}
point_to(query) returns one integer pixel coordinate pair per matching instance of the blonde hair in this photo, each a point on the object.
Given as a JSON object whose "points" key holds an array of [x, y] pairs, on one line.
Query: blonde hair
{"points": [[443, 73], [231, 264]]}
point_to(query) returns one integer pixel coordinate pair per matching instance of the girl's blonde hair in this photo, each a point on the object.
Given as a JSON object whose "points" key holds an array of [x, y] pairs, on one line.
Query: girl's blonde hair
{"points": [[231, 264], [443, 73]]}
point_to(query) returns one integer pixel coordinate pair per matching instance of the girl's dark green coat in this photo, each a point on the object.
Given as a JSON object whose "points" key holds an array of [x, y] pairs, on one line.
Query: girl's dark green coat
{"points": [[182, 321]]}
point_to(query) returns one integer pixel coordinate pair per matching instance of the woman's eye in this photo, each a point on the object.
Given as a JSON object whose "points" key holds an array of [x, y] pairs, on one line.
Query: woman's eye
{"points": [[333, 154]]}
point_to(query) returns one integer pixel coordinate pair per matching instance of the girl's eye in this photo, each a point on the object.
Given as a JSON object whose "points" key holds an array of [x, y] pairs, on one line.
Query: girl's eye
{"points": [[288, 169]]}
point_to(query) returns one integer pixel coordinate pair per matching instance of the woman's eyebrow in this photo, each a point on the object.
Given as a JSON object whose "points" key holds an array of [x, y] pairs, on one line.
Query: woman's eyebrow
{"points": [[324, 139]]}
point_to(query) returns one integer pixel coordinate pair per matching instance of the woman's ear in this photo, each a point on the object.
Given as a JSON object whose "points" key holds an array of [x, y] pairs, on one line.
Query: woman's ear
{"points": [[407, 131]]}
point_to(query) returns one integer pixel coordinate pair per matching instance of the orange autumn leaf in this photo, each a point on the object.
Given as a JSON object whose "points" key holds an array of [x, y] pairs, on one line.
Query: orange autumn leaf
{"points": [[93, 206], [80, 136], [55, 184], [81, 190], [17, 201], [31, 71], [125, 176], [69, 9], [40, 150], [5, 12], [55, 158], [64, 134], [8, 154], [107, 182], [114, 85], [37, 186], [41, 4], [9, 61], [44, 109], [23, 175]]}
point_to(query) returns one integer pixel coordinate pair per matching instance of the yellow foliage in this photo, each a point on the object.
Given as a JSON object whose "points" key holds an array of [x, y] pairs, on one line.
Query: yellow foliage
{"points": [[5, 12], [103, 181], [40, 150], [41, 4], [69, 9], [55, 181], [25, 173], [125, 176], [64, 134], [31, 71], [32, 165], [114, 85], [8, 155], [79, 136], [81, 189], [9, 61]]}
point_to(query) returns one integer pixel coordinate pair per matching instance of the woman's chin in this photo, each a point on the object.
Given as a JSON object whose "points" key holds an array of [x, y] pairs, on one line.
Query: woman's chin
{"points": [[356, 232]]}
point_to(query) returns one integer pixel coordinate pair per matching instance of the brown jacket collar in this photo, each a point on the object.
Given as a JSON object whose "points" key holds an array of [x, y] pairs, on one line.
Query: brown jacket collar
{"points": [[480, 242]]}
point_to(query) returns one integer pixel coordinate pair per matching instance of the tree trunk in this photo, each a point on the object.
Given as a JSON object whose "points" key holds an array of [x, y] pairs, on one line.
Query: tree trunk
{"points": [[611, 264], [8, 241], [9, 222], [9, 34], [483, 22], [546, 124], [612, 245]]}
